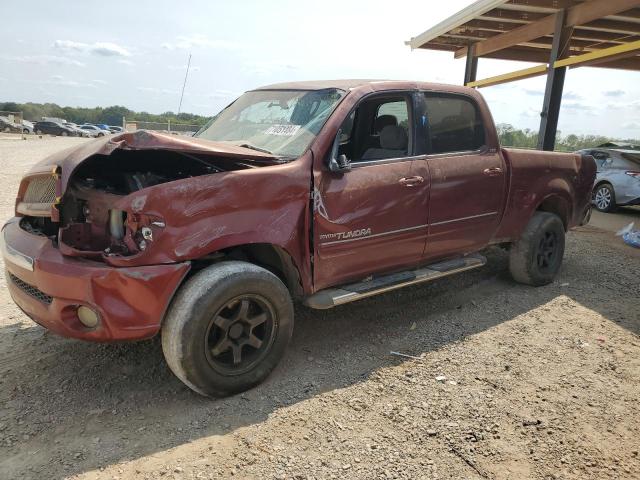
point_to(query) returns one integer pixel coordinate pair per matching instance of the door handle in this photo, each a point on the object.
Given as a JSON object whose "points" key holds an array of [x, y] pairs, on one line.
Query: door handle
{"points": [[411, 181], [492, 171]]}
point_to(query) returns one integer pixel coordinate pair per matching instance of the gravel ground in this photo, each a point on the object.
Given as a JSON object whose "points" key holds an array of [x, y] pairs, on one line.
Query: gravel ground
{"points": [[508, 381]]}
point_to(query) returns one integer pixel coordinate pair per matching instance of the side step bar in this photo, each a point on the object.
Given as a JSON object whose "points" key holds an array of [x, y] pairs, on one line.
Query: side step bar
{"points": [[334, 296]]}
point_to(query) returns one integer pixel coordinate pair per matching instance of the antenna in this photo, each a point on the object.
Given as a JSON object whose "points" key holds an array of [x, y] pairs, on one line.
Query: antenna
{"points": [[184, 84]]}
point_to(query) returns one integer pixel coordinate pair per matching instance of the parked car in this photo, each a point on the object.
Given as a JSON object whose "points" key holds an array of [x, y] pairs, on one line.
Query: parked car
{"points": [[79, 131], [53, 128], [96, 132], [324, 192], [618, 178], [115, 129], [9, 126], [27, 127], [102, 126]]}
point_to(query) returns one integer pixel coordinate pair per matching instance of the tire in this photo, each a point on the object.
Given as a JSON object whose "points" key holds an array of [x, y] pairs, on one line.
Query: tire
{"points": [[214, 315], [39, 132], [25, 131], [64, 134], [604, 198], [101, 134], [537, 255]]}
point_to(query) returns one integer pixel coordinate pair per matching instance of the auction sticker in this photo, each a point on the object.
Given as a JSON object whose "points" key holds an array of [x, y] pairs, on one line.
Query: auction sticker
{"points": [[282, 130]]}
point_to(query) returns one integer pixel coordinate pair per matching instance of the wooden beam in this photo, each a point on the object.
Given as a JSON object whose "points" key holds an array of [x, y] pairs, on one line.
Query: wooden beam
{"points": [[612, 26], [600, 56], [510, 77], [554, 4], [513, 37], [501, 15], [581, 32], [624, 64], [595, 9], [582, 13], [521, 54]]}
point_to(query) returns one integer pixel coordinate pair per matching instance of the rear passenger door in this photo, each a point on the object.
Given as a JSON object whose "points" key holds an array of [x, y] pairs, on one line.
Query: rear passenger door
{"points": [[467, 177]]}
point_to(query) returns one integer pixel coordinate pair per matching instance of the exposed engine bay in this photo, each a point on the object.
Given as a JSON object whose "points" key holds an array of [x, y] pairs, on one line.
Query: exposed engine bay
{"points": [[89, 225]]}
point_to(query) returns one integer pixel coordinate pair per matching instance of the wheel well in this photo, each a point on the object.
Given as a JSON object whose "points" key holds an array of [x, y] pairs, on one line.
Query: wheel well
{"points": [[271, 257], [602, 182], [557, 206]]}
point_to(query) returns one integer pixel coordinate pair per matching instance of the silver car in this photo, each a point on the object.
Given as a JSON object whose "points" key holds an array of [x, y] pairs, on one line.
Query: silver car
{"points": [[618, 177]]}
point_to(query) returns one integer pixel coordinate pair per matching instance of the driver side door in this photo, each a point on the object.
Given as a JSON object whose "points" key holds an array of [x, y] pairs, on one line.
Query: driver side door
{"points": [[372, 218]]}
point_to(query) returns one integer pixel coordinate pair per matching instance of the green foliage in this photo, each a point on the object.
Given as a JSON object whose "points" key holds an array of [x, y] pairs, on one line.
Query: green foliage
{"points": [[108, 115], [512, 137]]}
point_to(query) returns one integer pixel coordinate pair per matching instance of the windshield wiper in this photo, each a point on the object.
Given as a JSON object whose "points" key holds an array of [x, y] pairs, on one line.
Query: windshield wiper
{"points": [[253, 147]]}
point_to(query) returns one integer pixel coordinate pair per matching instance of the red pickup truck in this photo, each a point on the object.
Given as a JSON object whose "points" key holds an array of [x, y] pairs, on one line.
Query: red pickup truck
{"points": [[324, 192]]}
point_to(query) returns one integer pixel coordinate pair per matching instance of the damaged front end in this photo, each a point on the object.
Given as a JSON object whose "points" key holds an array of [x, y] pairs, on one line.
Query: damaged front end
{"points": [[92, 207]]}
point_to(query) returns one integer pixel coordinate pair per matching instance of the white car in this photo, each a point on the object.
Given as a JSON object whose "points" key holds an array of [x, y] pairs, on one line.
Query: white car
{"points": [[79, 131], [97, 132]]}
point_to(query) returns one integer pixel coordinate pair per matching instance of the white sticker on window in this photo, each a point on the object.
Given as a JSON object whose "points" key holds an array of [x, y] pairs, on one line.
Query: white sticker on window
{"points": [[282, 130]]}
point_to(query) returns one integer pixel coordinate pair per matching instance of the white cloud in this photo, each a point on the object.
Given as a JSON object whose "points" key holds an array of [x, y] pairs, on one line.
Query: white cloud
{"points": [[577, 106], [42, 60], [631, 126], [128, 63], [183, 68], [103, 49], [61, 81], [187, 42], [614, 93], [156, 90], [571, 96], [101, 82]]}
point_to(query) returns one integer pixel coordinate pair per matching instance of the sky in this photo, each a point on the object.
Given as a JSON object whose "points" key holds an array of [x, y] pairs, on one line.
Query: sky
{"points": [[134, 53]]}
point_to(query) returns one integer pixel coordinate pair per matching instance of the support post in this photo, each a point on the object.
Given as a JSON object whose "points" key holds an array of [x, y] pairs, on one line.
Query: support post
{"points": [[555, 84], [471, 68]]}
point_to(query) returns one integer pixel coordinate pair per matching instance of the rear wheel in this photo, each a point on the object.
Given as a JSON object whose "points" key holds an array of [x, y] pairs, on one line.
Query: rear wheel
{"points": [[227, 328], [604, 198], [39, 132], [537, 256]]}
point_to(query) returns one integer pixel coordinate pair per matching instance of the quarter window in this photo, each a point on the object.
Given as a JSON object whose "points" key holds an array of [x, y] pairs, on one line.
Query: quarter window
{"points": [[454, 124]]}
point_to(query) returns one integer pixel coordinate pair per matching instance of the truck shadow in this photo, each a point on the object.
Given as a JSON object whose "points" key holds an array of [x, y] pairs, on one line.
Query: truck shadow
{"points": [[70, 407]]}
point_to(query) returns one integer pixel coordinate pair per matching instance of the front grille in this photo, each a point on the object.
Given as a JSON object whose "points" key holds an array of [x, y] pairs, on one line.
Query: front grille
{"points": [[30, 289], [41, 190]]}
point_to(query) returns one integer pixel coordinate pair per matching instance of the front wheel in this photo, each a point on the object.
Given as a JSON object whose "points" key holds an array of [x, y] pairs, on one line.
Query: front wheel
{"points": [[604, 198], [64, 134], [537, 255], [227, 328]]}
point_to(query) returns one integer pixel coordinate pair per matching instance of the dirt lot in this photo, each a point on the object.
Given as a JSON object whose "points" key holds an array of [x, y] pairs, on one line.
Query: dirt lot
{"points": [[539, 383]]}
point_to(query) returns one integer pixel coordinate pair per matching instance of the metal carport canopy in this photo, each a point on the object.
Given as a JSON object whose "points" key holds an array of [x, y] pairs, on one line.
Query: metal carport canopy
{"points": [[557, 34]]}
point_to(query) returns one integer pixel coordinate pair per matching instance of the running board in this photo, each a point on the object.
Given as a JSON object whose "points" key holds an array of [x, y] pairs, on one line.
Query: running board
{"points": [[334, 296]]}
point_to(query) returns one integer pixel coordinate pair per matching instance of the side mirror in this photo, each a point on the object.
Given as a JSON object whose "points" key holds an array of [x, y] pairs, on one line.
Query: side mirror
{"points": [[338, 163]]}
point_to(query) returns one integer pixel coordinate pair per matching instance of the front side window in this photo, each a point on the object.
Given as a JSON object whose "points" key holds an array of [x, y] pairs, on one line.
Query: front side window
{"points": [[281, 122], [454, 124], [378, 129]]}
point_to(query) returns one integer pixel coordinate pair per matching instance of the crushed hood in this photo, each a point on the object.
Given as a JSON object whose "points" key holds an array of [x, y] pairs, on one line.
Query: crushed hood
{"points": [[70, 158]]}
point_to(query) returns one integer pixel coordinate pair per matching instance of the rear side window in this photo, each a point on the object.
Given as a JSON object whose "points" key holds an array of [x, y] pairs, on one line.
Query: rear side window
{"points": [[454, 124]]}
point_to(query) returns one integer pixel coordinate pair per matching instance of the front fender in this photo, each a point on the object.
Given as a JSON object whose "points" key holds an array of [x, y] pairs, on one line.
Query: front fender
{"points": [[201, 215]]}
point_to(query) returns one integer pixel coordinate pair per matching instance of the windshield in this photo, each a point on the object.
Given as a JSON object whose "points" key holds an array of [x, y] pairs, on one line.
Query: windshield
{"points": [[281, 122]]}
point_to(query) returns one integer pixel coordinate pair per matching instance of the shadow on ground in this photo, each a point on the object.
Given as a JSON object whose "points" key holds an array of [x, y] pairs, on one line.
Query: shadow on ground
{"points": [[88, 406]]}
